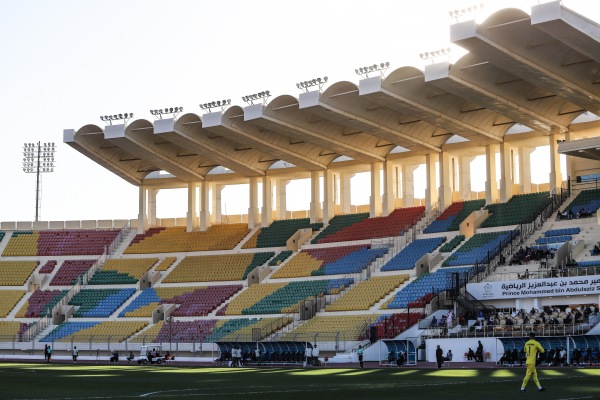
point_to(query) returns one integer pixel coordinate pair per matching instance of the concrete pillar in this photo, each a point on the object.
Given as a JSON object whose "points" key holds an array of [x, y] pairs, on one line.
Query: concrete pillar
{"points": [[151, 193], [267, 201], [431, 194], [389, 200], [142, 209], [408, 185], [465, 176], [204, 206], [555, 174], [506, 174], [281, 197], [328, 196], [345, 192], [445, 190], [375, 199], [253, 215], [192, 216], [216, 212], [569, 159], [525, 169], [315, 197], [491, 187]]}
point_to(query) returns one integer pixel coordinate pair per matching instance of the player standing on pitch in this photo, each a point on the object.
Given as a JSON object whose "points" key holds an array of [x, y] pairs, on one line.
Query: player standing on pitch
{"points": [[532, 347]]}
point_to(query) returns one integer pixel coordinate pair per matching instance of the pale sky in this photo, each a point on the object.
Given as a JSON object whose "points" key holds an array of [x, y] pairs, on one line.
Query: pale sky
{"points": [[64, 63]]}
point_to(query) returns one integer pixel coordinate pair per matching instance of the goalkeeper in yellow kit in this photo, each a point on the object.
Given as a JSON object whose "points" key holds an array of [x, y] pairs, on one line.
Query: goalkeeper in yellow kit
{"points": [[532, 347]]}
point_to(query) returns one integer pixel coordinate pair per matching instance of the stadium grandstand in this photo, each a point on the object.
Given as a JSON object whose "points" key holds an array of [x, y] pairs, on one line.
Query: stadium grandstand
{"points": [[398, 274]]}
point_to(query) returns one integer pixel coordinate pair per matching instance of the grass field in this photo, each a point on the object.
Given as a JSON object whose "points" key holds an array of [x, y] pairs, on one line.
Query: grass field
{"points": [[67, 381]]}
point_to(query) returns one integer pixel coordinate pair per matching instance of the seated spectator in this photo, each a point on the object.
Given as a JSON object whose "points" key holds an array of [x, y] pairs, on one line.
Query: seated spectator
{"points": [[434, 322], [505, 358], [115, 357], [470, 354], [130, 357], [401, 359], [448, 356]]}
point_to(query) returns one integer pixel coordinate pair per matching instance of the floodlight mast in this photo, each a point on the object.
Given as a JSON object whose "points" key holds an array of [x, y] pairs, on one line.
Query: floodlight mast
{"points": [[38, 159]]}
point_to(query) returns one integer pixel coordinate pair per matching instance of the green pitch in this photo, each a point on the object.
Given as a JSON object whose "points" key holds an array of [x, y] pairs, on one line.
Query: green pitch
{"points": [[67, 381]]}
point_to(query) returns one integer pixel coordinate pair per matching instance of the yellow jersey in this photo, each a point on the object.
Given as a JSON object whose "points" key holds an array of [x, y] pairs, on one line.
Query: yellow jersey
{"points": [[532, 347]]}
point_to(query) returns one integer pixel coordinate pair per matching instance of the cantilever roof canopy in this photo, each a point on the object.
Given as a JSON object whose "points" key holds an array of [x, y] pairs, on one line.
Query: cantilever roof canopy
{"points": [[540, 71]]}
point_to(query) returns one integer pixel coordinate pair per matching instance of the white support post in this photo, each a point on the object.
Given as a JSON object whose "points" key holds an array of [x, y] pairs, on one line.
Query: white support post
{"points": [[431, 194], [389, 201], [267, 200], [204, 206], [491, 186], [506, 181], [465, 176], [281, 198], [253, 218], [192, 216], [375, 199], [141, 209], [315, 197], [328, 196]]}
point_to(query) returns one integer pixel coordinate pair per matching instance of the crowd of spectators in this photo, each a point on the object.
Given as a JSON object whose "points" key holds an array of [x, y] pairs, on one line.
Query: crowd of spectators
{"points": [[569, 214], [526, 254], [516, 319]]}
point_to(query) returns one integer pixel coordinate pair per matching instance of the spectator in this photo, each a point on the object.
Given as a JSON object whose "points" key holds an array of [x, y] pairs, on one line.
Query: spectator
{"points": [[505, 358], [434, 322], [115, 357], [75, 354], [401, 359], [479, 352], [470, 354], [307, 356], [315, 353], [439, 356], [448, 356], [130, 357]]}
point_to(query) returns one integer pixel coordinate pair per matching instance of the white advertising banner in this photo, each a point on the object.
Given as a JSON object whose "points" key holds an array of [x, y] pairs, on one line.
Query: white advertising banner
{"points": [[535, 288]]}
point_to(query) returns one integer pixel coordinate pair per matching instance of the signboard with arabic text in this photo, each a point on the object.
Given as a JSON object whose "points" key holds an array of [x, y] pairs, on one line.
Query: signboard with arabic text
{"points": [[570, 286]]}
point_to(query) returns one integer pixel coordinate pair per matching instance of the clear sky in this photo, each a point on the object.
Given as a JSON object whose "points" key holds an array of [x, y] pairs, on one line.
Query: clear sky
{"points": [[64, 63]]}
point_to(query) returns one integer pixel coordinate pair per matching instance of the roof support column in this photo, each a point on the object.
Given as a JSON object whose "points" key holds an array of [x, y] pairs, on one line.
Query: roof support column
{"points": [[465, 176], [431, 195], [151, 198], [142, 209], [267, 201], [569, 159], [204, 206], [525, 169], [253, 217], [555, 174], [192, 215], [375, 199], [216, 212], [408, 185], [315, 197], [389, 200], [328, 196], [281, 197], [491, 187], [346, 192], [506, 175], [445, 191]]}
